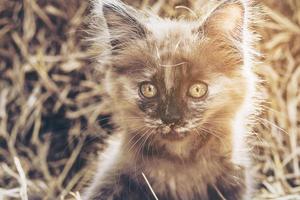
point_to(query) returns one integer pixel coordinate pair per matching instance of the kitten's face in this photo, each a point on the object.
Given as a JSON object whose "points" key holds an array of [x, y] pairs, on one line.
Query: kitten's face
{"points": [[171, 80], [180, 94], [173, 100]]}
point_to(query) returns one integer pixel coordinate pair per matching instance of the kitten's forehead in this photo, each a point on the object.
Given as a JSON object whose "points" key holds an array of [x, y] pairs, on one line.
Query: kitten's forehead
{"points": [[169, 78], [175, 51], [161, 28], [172, 36], [173, 41], [173, 75]]}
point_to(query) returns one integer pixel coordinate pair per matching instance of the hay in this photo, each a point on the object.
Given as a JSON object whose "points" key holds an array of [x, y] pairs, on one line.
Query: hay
{"points": [[278, 163], [52, 116]]}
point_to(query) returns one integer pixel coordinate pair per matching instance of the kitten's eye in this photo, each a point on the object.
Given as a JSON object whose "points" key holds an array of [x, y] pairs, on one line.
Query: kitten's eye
{"points": [[148, 90], [198, 90]]}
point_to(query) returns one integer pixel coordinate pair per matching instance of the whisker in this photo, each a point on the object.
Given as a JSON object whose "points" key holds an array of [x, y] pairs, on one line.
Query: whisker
{"points": [[209, 132], [272, 124], [147, 135]]}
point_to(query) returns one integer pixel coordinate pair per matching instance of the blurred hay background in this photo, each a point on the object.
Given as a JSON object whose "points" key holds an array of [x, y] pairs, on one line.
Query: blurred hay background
{"points": [[52, 116]]}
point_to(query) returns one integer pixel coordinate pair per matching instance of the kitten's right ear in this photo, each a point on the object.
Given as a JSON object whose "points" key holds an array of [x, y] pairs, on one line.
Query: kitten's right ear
{"points": [[122, 22], [227, 18]]}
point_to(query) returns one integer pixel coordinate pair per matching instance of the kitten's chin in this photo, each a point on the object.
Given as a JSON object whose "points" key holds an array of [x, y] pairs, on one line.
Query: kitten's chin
{"points": [[172, 134]]}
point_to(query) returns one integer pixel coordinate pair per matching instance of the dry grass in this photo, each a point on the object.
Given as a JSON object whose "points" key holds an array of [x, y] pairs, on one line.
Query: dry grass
{"points": [[51, 114]]}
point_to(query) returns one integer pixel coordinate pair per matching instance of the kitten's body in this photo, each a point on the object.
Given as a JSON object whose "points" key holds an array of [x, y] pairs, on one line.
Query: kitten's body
{"points": [[199, 153], [207, 178]]}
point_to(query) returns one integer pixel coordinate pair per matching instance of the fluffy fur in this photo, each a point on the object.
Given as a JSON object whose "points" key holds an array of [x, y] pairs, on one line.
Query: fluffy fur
{"points": [[204, 154]]}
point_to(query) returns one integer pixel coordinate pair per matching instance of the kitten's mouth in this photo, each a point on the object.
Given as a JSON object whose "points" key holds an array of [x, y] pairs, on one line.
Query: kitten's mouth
{"points": [[172, 133]]}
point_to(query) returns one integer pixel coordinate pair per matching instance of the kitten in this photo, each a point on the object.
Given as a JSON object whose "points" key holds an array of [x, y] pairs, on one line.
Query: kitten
{"points": [[183, 96]]}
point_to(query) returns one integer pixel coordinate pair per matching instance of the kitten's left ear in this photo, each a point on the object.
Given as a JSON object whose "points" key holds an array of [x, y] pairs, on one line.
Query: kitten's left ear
{"points": [[123, 22], [227, 19]]}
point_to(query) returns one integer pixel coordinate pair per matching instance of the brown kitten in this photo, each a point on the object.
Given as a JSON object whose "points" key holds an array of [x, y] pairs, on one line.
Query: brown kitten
{"points": [[183, 96]]}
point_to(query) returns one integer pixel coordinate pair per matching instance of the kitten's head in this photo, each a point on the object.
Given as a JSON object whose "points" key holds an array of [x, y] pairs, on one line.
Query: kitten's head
{"points": [[176, 81]]}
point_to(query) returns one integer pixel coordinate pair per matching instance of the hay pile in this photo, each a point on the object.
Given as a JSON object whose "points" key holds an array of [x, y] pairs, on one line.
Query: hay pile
{"points": [[51, 113], [279, 131]]}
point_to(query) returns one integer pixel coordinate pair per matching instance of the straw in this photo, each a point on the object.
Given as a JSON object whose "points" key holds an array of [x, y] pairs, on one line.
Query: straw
{"points": [[53, 122]]}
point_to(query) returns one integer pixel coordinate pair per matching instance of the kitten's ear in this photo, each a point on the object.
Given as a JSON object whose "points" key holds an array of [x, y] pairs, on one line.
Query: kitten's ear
{"points": [[122, 22], [226, 19]]}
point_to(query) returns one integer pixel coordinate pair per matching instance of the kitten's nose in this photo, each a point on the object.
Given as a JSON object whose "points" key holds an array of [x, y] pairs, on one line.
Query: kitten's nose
{"points": [[170, 119], [172, 115]]}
